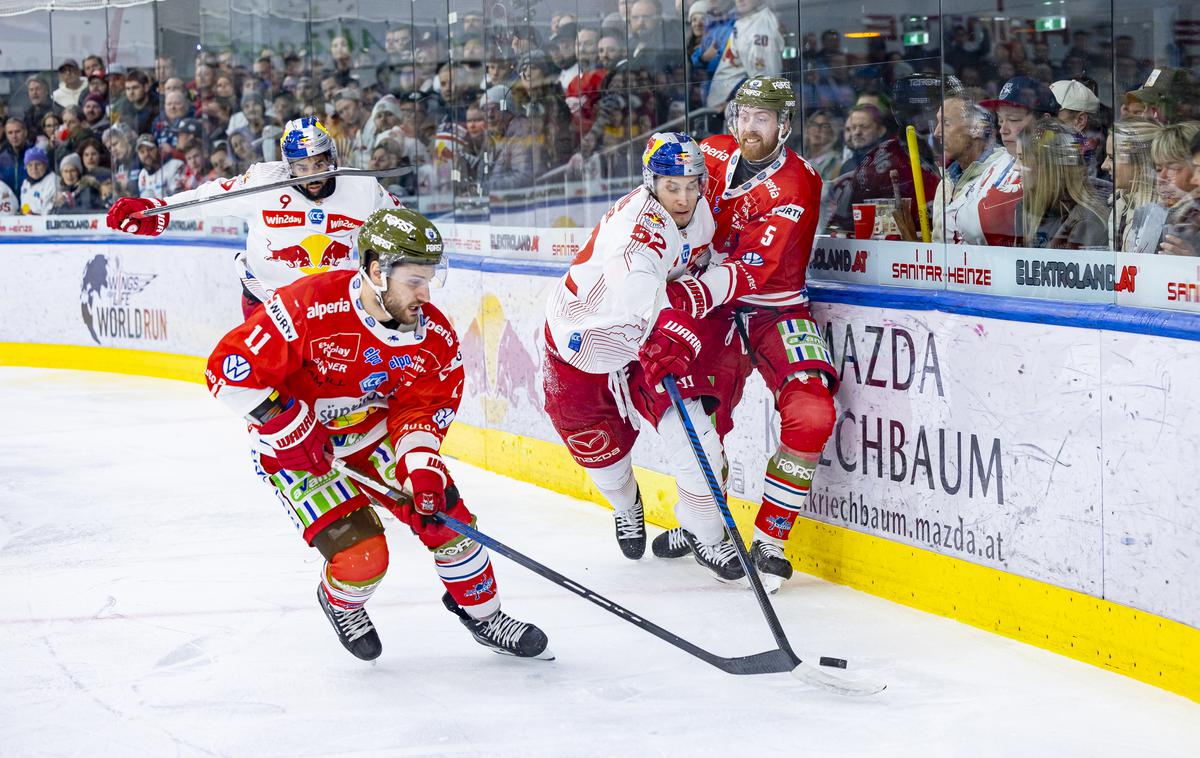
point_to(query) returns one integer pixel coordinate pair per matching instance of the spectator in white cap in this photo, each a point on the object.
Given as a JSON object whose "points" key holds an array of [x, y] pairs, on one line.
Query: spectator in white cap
{"points": [[1077, 103], [1078, 107]]}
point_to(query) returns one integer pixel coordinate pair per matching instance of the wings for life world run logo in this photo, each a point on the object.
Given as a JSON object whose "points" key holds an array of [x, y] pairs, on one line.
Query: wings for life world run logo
{"points": [[109, 303]]}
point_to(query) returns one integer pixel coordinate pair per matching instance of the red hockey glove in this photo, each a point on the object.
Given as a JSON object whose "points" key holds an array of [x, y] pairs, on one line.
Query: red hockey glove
{"points": [[301, 443], [121, 216], [689, 294], [671, 347], [427, 482]]}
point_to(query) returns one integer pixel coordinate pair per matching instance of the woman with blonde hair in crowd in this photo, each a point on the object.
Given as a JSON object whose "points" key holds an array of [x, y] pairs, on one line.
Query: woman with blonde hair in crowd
{"points": [[1058, 208], [1179, 233], [1132, 168]]}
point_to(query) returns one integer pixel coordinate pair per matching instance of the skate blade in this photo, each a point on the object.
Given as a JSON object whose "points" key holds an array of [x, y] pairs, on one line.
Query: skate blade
{"points": [[740, 581], [770, 582], [545, 655]]}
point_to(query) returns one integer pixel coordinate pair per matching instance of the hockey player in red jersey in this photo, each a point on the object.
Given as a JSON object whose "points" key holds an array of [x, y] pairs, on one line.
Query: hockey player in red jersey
{"points": [[611, 338], [358, 366], [765, 201], [307, 228]]}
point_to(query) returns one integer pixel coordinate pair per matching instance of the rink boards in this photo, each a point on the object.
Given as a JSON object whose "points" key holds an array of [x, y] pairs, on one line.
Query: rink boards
{"points": [[1025, 476]]}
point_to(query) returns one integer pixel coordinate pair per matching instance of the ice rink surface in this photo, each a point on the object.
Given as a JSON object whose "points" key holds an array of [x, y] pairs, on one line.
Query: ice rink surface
{"points": [[157, 602]]}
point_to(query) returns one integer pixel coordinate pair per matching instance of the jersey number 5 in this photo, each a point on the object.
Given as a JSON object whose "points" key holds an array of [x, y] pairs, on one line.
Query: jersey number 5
{"points": [[768, 236]]}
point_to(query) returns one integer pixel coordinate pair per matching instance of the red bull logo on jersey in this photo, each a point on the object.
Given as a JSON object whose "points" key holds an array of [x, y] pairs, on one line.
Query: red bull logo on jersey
{"points": [[653, 220], [281, 219], [315, 254]]}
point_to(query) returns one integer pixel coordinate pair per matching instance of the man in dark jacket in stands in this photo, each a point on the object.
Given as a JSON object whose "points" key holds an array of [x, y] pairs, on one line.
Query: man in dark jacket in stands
{"points": [[139, 108], [12, 153], [39, 103]]}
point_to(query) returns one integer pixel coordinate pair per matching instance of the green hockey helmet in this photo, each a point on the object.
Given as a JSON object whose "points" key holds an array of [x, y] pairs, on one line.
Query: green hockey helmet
{"points": [[401, 236], [772, 93]]}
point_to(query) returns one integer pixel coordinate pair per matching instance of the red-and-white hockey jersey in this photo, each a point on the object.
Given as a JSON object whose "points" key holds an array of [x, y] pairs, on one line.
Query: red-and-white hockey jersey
{"points": [[314, 341], [290, 235], [765, 227], [602, 310], [985, 212]]}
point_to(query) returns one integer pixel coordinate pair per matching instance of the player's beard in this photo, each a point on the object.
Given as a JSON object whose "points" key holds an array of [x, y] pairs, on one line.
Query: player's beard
{"points": [[324, 188], [404, 310], [756, 147]]}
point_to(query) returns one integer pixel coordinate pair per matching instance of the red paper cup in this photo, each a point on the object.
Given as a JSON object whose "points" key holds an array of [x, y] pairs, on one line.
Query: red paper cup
{"points": [[864, 220]]}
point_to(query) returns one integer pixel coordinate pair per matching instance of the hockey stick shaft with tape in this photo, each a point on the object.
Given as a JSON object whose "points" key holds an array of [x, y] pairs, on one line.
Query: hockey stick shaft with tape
{"points": [[718, 494], [800, 669], [768, 662], [288, 182]]}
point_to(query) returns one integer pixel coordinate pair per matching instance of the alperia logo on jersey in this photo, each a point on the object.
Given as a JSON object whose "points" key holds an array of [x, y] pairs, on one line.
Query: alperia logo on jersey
{"points": [[321, 310]]}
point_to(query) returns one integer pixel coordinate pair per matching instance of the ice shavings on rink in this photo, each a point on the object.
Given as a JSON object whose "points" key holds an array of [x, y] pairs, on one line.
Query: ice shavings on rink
{"points": [[157, 602]]}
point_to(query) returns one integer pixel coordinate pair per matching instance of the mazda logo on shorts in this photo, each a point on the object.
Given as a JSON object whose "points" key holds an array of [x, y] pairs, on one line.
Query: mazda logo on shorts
{"points": [[590, 442]]}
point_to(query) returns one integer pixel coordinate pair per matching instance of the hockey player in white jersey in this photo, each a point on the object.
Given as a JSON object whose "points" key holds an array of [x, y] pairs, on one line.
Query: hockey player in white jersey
{"points": [[307, 228], [754, 48], [611, 336]]}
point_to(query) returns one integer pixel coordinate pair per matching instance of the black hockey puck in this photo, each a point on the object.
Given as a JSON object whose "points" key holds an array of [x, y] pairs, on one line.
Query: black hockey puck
{"points": [[837, 663]]}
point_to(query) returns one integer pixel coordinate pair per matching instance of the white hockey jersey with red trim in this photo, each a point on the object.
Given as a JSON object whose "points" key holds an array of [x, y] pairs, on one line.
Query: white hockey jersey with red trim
{"points": [[289, 235], [754, 48], [602, 310]]}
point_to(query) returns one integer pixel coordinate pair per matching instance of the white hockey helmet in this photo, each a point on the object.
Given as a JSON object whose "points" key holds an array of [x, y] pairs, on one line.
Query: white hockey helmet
{"points": [[672, 154], [304, 138]]}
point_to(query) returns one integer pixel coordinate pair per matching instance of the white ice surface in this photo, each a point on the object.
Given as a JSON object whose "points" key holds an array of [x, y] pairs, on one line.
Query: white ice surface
{"points": [[155, 601]]}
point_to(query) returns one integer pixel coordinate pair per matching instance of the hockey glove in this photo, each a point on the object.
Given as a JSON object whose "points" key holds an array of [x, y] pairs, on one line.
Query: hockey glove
{"points": [[689, 294], [301, 443], [671, 347], [427, 482], [121, 216]]}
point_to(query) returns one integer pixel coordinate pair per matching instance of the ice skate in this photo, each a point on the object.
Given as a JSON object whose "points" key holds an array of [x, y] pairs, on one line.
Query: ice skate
{"points": [[670, 544], [503, 633], [720, 558], [631, 530], [354, 628], [772, 566]]}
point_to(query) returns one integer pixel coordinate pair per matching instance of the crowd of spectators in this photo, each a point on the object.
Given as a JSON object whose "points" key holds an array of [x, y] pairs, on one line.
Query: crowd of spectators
{"points": [[1016, 146]]}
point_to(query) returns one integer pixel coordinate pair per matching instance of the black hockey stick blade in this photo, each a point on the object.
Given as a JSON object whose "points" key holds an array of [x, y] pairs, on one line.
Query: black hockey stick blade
{"points": [[768, 662], [801, 669], [288, 182]]}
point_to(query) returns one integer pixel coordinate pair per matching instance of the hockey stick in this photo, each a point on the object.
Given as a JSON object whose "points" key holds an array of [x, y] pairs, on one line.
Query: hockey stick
{"points": [[768, 662], [914, 163], [290, 181], [801, 669]]}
